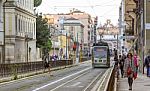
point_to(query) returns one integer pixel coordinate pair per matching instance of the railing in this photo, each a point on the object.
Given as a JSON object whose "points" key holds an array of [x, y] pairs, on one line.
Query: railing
{"points": [[18, 68]]}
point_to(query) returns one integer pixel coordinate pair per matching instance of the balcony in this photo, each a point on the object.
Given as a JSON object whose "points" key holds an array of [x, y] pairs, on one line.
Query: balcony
{"points": [[29, 35], [20, 34], [23, 34]]}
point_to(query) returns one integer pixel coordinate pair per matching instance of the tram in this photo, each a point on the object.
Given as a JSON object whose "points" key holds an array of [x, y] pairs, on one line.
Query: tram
{"points": [[100, 55]]}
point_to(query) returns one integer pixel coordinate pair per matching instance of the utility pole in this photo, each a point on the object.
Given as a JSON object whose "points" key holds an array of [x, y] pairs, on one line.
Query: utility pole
{"points": [[95, 24], [66, 45], [143, 32], [77, 50]]}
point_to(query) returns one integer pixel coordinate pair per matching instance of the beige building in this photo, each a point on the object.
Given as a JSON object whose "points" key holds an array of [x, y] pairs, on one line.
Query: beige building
{"points": [[20, 30], [56, 19]]}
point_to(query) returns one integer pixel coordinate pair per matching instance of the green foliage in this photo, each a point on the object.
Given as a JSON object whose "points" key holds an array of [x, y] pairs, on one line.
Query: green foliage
{"points": [[37, 3], [42, 34]]}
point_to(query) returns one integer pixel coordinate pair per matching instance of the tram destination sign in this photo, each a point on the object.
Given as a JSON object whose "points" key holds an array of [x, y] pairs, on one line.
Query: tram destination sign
{"points": [[147, 26]]}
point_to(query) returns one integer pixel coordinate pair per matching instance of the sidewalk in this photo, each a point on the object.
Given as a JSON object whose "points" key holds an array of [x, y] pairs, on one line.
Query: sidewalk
{"points": [[142, 83]]}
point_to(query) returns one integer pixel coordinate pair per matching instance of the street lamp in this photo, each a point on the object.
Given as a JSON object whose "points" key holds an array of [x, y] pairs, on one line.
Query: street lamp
{"points": [[101, 32]]}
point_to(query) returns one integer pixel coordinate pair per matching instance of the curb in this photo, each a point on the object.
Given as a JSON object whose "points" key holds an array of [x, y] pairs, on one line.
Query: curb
{"points": [[104, 80], [115, 85]]}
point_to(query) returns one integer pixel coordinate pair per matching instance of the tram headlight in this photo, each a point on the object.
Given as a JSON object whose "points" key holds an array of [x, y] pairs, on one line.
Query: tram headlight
{"points": [[100, 60], [104, 61]]}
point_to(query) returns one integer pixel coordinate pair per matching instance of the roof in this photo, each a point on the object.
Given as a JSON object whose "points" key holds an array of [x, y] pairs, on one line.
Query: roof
{"points": [[71, 18]]}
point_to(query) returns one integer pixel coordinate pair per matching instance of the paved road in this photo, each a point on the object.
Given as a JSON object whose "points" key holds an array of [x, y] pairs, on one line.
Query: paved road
{"points": [[79, 78]]}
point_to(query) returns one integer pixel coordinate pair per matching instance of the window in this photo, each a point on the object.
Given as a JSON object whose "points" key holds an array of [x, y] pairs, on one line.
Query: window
{"points": [[19, 25], [16, 23]]}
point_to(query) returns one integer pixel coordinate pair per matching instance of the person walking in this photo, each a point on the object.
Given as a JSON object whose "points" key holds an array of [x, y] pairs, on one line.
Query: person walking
{"points": [[46, 59], [129, 69], [121, 64], [136, 63], [147, 63]]}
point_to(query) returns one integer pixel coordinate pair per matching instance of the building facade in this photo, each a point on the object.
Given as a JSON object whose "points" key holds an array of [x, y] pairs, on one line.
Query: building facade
{"points": [[137, 20], [56, 19], [19, 25]]}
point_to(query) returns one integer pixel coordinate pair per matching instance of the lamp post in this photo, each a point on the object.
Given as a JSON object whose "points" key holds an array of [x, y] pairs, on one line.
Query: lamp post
{"points": [[77, 50], [101, 31]]}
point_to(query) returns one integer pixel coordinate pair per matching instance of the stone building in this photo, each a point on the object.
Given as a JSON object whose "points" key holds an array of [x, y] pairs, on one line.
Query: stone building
{"points": [[19, 24], [86, 19], [136, 17]]}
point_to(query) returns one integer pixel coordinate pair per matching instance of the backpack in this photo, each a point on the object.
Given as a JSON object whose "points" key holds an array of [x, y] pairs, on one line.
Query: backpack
{"points": [[147, 61]]}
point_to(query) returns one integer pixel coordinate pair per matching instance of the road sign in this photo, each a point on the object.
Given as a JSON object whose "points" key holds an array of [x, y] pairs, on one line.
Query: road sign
{"points": [[147, 26], [121, 37]]}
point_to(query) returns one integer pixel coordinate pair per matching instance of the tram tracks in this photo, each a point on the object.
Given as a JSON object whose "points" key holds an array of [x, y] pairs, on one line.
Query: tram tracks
{"points": [[89, 86]]}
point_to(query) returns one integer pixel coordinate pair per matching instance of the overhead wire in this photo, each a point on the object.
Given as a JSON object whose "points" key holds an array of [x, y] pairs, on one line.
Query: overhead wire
{"points": [[92, 7], [98, 5], [103, 4]]}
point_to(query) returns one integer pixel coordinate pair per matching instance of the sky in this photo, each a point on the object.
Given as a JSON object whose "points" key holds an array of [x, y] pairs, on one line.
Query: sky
{"points": [[104, 9]]}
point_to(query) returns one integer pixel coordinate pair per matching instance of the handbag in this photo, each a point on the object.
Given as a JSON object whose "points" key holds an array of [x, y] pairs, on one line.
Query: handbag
{"points": [[129, 71]]}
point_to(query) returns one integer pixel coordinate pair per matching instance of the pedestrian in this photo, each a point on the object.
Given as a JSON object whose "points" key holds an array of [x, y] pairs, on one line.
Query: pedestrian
{"points": [[147, 63], [116, 58], [121, 64], [136, 63], [46, 59], [129, 69]]}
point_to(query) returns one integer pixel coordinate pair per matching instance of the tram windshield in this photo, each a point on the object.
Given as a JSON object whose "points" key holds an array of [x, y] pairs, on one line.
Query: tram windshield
{"points": [[100, 52]]}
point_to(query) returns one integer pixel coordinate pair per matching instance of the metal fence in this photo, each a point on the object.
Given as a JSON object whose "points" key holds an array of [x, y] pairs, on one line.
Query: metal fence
{"points": [[18, 68]]}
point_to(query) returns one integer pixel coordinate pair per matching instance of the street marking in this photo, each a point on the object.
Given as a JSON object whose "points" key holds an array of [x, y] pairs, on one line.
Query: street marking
{"points": [[80, 86], [75, 84], [60, 79], [68, 81]]}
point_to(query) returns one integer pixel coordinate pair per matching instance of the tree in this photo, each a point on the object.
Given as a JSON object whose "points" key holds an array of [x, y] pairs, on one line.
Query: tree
{"points": [[42, 34], [37, 3]]}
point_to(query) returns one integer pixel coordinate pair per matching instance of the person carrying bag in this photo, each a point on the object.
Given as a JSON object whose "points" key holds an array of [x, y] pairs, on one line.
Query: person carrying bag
{"points": [[129, 69]]}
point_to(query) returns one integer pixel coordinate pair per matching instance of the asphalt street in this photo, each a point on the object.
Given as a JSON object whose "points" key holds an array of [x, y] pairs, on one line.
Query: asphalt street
{"points": [[78, 78]]}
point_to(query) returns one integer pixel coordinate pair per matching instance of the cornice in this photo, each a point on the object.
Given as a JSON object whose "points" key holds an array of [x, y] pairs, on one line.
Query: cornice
{"points": [[12, 5]]}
